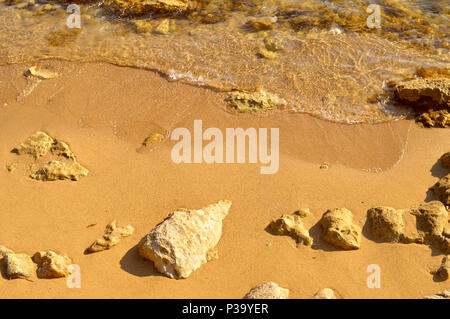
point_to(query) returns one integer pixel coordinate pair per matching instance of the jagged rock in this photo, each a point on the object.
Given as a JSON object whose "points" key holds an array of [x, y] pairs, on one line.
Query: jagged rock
{"points": [[440, 295], [442, 189], [267, 290], [412, 91], [339, 229], [446, 160], [292, 225], [112, 236], [185, 240], [443, 271], [256, 102], [42, 73], [4, 250], [421, 224], [140, 7], [36, 145], [55, 170], [325, 293], [386, 223], [18, 265], [51, 264]]}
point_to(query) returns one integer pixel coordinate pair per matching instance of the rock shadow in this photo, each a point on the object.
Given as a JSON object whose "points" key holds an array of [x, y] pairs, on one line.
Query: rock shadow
{"points": [[134, 264], [438, 170]]}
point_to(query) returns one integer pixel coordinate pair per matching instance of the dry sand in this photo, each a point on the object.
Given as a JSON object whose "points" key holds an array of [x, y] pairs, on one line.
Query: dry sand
{"points": [[105, 112]]}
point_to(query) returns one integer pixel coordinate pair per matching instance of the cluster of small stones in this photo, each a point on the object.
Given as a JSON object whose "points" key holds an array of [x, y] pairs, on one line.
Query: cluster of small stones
{"points": [[66, 167], [49, 264]]}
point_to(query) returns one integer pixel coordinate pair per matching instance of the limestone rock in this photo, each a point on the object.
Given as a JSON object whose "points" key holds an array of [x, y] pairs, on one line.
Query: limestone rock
{"points": [[166, 26], [440, 295], [51, 264], [60, 148], [339, 229], [254, 102], [142, 26], [325, 293], [42, 73], [4, 250], [185, 240], [140, 7], [18, 265], [55, 170], [292, 225], [421, 224], [112, 236], [443, 271], [267, 290], [386, 223], [442, 189], [36, 145], [437, 90], [446, 160]]}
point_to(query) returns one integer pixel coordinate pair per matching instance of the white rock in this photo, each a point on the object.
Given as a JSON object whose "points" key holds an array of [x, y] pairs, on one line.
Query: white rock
{"points": [[267, 290]]}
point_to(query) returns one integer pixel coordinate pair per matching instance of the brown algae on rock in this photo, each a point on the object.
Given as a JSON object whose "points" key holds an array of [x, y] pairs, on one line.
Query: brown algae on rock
{"points": [[111, 237], [254, 102], [292, 225]]}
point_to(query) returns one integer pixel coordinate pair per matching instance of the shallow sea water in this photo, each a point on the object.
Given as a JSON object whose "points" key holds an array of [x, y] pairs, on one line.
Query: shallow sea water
{"points": [[330, 64]]}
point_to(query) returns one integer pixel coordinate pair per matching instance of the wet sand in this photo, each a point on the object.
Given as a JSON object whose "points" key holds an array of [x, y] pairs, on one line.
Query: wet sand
{"points": [[105, 112]]}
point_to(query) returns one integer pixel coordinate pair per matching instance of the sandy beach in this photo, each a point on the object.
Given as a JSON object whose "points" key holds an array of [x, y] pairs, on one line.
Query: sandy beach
{"points": [[105, 112]]}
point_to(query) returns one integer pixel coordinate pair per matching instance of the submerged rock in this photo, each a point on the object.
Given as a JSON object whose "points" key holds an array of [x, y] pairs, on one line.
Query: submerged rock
{"points": [[36, 145], [56, 170], [260, 24], [443, 271], [292, 225], [254, 102], [421, 224], [325, 293], [51, 264], [339, 229], [166, 26], [142, 26], [185, 240], [42, 73], [263, 53], [442, 189], [18, 265], [267, 290], [112, 236]]}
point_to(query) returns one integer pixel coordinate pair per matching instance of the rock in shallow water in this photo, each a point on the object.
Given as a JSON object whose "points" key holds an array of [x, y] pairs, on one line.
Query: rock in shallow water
{"points": [[185, 240], [112, 236], [51, 264], [339, 229], [18, 265], [325, 293], [267, 290]]}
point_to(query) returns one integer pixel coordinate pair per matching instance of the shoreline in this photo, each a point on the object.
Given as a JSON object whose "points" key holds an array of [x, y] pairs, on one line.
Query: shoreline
{"points": [[104, 114]]}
